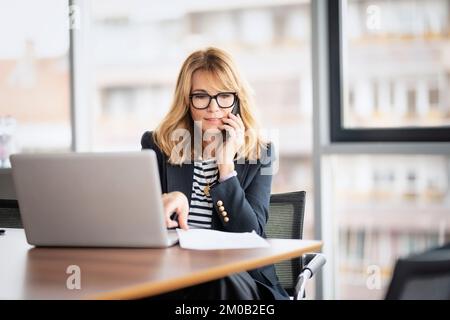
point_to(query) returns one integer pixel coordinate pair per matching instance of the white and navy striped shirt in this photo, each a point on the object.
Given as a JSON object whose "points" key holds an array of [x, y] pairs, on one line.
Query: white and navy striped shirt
{"points": [[200, 211]]}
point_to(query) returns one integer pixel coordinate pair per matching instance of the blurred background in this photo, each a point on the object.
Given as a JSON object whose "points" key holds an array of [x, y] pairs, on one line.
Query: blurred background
{"points": [[94, 75]]}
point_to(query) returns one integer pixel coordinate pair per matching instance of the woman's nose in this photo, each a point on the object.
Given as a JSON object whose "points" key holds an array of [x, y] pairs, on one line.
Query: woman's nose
{"points": [[213, 106]]}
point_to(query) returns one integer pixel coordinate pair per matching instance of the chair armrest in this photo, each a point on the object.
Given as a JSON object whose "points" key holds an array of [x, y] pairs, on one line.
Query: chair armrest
{"points": [[306, 258], [312, 262]]}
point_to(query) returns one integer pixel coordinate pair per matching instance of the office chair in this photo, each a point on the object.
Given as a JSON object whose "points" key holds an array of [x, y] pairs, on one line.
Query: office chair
{"points": [[286, 222], [424, 276], [9, 214]]}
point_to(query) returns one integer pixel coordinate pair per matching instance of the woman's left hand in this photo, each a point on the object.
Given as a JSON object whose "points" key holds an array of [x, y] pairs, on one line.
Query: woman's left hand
{"points": [[235, 129]]}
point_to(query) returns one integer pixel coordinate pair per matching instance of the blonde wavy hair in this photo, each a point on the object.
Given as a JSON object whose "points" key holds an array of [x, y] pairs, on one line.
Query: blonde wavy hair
{"points": [[221, 67]]}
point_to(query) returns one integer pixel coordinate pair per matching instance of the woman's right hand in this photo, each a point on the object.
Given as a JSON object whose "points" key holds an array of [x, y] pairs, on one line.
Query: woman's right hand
{"points": [[176, 202]]}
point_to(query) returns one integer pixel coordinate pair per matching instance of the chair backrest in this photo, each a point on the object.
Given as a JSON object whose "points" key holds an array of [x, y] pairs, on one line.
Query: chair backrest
{"points": [[286, 222], [423, 276], [10, 214]]}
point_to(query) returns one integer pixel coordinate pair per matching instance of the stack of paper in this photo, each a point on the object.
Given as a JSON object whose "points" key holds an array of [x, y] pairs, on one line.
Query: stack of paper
{"points": [[205, 239]]}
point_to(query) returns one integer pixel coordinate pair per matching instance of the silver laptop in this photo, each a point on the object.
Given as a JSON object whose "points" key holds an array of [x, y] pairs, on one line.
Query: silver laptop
{"points": [[91, 199]]}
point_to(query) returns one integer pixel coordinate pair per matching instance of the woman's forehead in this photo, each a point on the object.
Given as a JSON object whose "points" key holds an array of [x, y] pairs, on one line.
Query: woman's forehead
{"points": [[209, 81]]}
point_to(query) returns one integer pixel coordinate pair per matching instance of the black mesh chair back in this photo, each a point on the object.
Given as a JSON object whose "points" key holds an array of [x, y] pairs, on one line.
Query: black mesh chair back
{"points": [[10, 214], [424, 276], [286, 222]]}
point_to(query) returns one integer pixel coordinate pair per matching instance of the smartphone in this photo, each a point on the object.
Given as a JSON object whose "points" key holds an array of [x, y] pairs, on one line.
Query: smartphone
{"points": [[236, 110]]}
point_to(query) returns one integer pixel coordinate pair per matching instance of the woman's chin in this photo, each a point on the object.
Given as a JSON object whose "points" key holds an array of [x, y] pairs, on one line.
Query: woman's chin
{"points": [[211, 127]]}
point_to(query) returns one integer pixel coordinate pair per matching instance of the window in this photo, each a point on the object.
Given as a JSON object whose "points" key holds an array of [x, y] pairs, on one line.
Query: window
{"points": [[138, 47], [34, 77], [385, 207], [392, 59], [388, 82]]}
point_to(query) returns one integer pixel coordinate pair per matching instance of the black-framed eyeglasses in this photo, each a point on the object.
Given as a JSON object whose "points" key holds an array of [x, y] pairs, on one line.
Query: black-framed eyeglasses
{"points": [[202, 100]]}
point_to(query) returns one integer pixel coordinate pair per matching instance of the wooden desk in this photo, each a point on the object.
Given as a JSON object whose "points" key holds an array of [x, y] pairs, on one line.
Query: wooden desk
{"points": [[27, 272]]}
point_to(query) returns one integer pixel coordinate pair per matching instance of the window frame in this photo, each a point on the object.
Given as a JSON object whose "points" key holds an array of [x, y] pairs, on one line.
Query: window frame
{"points": [[338, 133]]}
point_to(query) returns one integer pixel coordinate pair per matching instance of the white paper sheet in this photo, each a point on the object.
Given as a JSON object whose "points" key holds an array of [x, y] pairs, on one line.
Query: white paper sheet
{"points": [[206, 239]]}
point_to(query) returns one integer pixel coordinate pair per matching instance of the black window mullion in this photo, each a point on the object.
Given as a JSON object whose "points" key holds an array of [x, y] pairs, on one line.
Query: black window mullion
{"points": [[338, 133]]}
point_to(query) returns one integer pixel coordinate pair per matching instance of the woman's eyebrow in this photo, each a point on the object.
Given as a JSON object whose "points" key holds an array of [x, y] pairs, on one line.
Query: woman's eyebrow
{"points": [[200, 90]]}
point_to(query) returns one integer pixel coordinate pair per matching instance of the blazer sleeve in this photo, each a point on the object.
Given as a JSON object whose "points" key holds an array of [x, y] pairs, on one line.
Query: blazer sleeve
{"points": [[248, 209], [147, 142]]}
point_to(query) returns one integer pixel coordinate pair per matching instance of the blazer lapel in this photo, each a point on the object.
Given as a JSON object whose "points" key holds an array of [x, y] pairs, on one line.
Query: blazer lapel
{"points": [[240, 170]]}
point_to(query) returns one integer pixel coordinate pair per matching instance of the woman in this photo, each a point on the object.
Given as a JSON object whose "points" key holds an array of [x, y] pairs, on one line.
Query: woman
{"points": [[227, 183]]}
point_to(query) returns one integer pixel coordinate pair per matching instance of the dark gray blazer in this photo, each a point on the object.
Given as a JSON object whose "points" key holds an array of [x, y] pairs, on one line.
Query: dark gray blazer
{"points": [[245, 198]]}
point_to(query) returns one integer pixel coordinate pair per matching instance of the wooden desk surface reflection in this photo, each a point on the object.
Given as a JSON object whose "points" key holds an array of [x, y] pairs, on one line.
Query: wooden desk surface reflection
{"points": [[27, 272]]}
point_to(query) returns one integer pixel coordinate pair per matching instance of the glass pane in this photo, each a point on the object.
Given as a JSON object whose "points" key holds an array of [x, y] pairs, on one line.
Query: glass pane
{"points": [[396, 63], [385, 207], [138, 48], [34, 77]]}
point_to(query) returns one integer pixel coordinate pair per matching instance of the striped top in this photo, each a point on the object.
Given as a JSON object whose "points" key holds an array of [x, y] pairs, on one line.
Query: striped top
{"points": [[200, 211]]}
